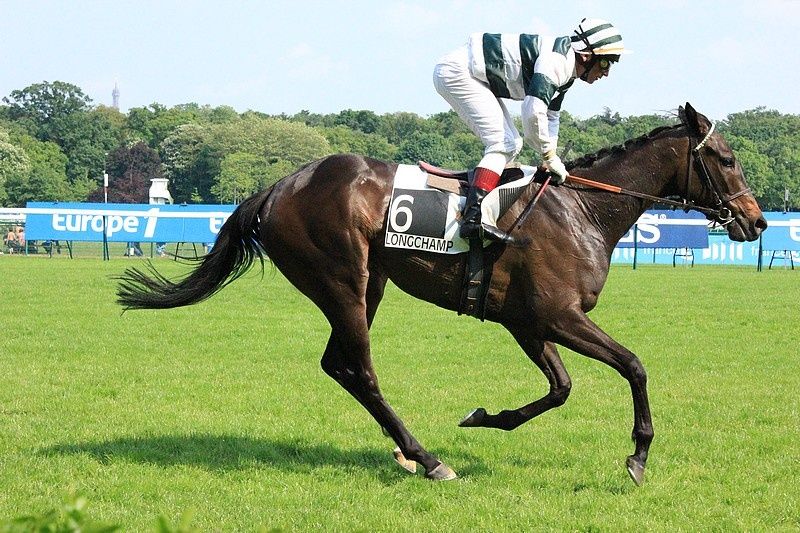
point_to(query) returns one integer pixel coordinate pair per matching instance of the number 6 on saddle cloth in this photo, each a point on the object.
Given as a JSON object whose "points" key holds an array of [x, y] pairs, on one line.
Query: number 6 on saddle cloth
{"points": [[426, 205]]}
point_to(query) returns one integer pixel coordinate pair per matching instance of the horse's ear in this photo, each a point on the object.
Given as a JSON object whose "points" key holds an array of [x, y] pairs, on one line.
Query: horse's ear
{"points": [[696, 121], [682, 114]]}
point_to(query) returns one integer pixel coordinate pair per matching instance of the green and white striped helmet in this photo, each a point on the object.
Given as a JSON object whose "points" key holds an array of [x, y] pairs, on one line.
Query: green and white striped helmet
{"points": [[598, 36]]}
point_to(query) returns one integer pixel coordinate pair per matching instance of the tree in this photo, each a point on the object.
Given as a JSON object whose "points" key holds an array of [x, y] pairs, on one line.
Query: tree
{"points": [[87, 139], [239, 177], [270, 138], [46, 177], [115, 119], [130, 170], [466, 150], [190, 162], [775, 137], [312, 119], [60, 112], [42, 107], [14, 165], [448, 124], [603, 131], [397, 127], [635, 126], [429, 147], [281, 144], [343, 139], [276, 171], [757, 167], [220, 115], [363, 121], [154, 123]]}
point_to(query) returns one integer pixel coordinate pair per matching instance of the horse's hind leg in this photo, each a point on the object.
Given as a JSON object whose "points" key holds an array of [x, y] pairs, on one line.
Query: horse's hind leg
{"points": [[356, 374], [347, 360], [545, 356], [375, 287]]}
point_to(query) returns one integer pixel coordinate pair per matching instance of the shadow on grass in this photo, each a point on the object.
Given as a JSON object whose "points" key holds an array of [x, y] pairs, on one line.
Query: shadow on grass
{"points": [[229, 452]]}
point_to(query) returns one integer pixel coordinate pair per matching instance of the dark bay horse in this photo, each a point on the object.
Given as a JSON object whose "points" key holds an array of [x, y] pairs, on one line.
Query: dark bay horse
{"points": [[324, 228]]}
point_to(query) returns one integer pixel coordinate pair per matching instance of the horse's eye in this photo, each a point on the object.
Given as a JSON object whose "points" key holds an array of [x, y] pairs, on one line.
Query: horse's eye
{"points": [[727, 161]]}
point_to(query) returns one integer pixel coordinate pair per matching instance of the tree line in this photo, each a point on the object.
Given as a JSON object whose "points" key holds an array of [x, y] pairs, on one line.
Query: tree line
{"points": [[55, 145]]}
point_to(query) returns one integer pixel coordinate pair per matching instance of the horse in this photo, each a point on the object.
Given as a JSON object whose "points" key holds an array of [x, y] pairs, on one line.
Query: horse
{"points": [[324, 228]]}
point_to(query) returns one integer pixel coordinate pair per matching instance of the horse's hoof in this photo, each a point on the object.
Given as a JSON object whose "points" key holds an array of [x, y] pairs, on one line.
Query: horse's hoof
{"points": [[474, 419], [407, 464], [441, 473], [635, 470]]}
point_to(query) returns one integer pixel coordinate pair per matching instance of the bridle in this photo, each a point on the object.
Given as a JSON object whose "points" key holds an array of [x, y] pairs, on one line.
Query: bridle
{"points": [[721, 214]]}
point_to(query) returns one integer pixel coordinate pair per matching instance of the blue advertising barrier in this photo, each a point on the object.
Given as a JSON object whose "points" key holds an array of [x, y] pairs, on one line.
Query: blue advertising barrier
{"points": [[654, 238], [720, 250], [781, 241], [783, 232], [125, 222], [667, 229], [783, 235]]}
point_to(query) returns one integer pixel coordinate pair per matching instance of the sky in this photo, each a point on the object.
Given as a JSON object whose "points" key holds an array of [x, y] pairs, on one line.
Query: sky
{"points": [[284, 56]]}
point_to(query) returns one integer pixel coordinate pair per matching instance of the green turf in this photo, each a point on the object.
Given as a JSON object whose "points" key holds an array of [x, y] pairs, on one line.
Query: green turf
{"points": [[222, 410]]}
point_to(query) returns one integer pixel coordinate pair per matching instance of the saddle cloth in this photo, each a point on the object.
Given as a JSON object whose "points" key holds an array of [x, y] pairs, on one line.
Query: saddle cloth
{"points": [[425, 218]]}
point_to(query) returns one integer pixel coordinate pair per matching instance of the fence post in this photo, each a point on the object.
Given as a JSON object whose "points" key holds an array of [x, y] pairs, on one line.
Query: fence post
{"points": [[759, 262], [106, 255]]}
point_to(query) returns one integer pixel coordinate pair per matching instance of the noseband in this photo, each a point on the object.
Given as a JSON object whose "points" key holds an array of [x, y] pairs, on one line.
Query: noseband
{"points": [[722, 214]]}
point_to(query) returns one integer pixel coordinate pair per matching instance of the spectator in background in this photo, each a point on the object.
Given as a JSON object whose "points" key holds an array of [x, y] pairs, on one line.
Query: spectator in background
{"points": [[133, 249], [10, 240], [21, 238]]}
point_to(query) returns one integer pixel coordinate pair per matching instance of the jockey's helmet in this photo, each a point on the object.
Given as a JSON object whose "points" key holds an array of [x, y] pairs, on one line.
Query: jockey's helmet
{"points": [[599, 37]]}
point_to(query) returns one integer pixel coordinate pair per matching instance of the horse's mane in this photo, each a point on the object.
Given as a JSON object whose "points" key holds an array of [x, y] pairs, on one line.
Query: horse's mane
{"points": [[588, 160]]}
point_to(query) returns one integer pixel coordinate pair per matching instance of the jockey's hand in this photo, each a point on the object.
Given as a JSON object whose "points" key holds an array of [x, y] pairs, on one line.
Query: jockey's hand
{"points": [[556, 167]]}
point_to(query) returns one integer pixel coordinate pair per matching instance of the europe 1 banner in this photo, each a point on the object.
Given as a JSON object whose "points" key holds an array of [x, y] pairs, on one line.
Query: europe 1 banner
{"points": [[125, 222]]}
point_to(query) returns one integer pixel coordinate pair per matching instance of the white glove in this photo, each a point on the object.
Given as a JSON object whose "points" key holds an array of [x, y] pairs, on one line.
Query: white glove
{"points": [[556, 166]]}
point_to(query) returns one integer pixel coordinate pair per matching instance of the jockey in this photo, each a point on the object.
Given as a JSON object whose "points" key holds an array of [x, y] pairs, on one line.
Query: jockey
{"points": [[535, 69]]}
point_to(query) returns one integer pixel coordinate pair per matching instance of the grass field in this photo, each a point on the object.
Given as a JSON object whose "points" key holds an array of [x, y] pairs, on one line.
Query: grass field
{"points": [[222, 410]]}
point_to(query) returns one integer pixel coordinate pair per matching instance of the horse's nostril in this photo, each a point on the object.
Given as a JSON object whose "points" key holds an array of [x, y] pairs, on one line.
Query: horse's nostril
{"points": [[761, 223]]}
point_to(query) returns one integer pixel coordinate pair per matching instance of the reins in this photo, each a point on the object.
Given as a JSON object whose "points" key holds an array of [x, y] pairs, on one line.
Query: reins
{"points": [[685, 204], [720, 213]]}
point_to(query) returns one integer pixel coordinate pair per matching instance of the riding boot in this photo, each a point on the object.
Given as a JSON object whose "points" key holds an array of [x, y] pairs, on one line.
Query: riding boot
{"points": [[471, 216], [471, 226]]}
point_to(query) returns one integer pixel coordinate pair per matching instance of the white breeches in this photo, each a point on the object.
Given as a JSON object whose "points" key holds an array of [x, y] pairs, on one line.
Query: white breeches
{"points": [[484, 113]]}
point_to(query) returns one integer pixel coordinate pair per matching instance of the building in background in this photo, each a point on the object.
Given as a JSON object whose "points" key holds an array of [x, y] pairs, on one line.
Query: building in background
{"points": [[159, 195], [115, 97]]}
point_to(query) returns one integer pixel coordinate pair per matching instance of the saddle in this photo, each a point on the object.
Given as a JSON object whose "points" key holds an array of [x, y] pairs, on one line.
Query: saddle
{"points": [[457, 181], [478, 267]]}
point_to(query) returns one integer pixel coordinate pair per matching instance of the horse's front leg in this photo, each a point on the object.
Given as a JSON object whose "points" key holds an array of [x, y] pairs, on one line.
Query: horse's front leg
{"points": [[545, 356], [577, 332]]}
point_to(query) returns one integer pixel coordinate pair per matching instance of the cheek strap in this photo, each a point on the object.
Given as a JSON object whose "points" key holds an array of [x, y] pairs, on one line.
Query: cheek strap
{"points": [[588, 66]]}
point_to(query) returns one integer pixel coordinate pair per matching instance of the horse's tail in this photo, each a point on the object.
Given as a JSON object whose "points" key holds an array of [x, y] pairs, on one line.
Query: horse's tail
{"points": [[236, 248]]}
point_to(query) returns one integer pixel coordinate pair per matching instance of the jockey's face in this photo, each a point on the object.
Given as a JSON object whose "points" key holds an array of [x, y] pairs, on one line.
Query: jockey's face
{"points": [[598, 66]]}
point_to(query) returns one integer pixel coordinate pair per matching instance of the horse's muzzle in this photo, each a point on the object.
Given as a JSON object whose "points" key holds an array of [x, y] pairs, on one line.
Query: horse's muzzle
{"points": [[745, 228]]}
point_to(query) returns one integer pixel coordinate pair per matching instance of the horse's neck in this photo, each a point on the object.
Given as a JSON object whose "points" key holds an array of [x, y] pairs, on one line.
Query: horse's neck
{"points": [[650, 168]]}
